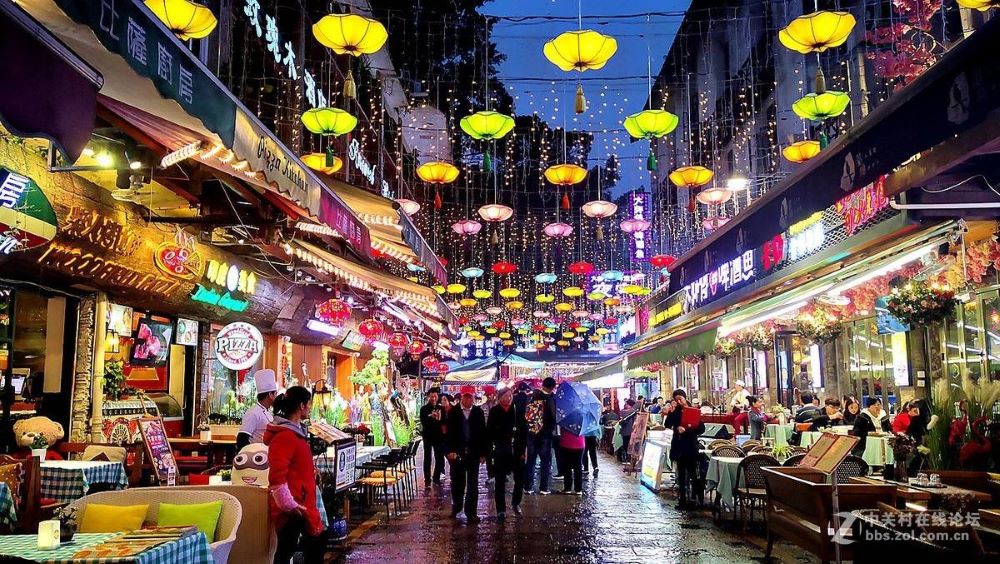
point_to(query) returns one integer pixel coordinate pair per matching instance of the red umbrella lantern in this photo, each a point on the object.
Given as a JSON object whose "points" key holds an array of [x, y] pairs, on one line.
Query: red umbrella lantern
{"points": [[371, 329], [335, 312], [499, 324], [581, 267], [397, 341], [442, 368], [430, 363], [416, 348], [611, 321], [538, 327], [662, 261], [503, 267]]}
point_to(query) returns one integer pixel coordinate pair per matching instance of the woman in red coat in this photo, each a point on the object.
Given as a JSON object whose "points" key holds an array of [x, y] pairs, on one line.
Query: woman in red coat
{"points": [[292, 479]]}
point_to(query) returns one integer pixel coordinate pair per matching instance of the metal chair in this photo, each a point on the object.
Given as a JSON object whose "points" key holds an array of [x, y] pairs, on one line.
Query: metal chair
{"points": [[718, 443], [730, 450], [750, 444], [751, 492], [851, 467], [794, 460]]}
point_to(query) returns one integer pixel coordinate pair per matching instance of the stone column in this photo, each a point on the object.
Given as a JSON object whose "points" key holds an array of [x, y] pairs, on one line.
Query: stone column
{"points": [[100, 325], [79, 426], [203, 372]]}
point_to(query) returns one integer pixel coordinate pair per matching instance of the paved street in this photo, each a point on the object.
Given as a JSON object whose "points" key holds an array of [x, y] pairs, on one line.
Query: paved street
{"points": [[617, 521]]}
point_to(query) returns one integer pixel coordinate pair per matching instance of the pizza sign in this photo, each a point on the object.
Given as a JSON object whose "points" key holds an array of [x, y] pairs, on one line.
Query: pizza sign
{"points": [[238, 346], [178, 260]]}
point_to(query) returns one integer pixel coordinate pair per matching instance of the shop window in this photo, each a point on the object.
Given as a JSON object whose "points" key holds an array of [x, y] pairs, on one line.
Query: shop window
{"points": [[879, 363], [972, 331], [991, 318], [972, 340]]}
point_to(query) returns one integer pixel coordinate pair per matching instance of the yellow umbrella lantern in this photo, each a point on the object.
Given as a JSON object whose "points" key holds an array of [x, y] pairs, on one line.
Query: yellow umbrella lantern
{"points": [[817, 32], [455, 288], [595, 296], [691, 176], [564, 307], [602, 331], [545, 298], [565, 174], [482, 294], [509, 293], [612, 302], [801, 151], [473, 334], [549, 330], [515, 305], [504, 335], [650, 124], [467, 302], [508, 343], [582, 329], [568, 334], [186, 19], [632, 289], [317, 162], [487, 126], [350, 34], [981, 5], [580, 50], [438, 288], [821, 104], [573, 291], [437, 172], [329, 121], [491, 331]]}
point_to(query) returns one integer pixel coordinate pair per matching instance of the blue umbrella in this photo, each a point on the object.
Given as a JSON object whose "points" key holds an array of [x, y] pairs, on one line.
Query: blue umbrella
{"points": [[578, 409]]}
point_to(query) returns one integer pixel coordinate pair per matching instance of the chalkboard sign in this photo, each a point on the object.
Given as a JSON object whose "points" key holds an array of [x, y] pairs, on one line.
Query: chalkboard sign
{"points": [[158, 448]]}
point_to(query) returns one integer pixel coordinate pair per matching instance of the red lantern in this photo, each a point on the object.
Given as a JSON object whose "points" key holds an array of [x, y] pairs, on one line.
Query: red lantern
{"points": [[538, 327], [499, 324], [371, 329], [416, 348], [442, 368], [397, 341], [463, 320], [611, 321], [662, 261], [430, 363], [503, 267], [573, 325], [581, 267], [335, 312]]}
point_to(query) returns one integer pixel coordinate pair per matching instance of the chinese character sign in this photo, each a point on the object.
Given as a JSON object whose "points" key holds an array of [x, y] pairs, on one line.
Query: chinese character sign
{"points": [[638, 209], [722, 279]]}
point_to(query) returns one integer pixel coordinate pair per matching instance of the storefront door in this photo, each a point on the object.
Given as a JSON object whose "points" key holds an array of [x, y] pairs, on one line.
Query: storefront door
{"points": [[799, 365]]}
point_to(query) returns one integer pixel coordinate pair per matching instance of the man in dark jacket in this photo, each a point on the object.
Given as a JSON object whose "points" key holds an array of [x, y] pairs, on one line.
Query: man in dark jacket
{"points": [[805, 414], [625, 427], [508, 432], [683, 447], [871, 420], [468, 444], [540, 420], [431, 416]]}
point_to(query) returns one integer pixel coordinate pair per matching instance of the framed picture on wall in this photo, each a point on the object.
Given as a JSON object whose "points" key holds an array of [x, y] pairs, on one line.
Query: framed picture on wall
{"points": [[151, 346], [187, 332]]}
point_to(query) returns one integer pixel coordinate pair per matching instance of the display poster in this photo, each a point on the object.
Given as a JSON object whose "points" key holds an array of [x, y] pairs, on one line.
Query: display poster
{"points": [[346, 455], [187, 332], [157, 447], [638, 435], [652, 465]]}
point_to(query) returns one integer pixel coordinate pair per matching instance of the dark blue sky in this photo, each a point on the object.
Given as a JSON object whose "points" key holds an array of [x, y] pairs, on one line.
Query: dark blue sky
{"points": [[615, 91]]}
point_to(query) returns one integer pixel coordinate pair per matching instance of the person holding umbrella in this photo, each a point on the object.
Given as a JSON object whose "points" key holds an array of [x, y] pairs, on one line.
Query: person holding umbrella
{"points": [[578, 413]]}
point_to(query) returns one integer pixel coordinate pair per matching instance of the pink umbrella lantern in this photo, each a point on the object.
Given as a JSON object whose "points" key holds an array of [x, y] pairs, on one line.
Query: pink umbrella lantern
{"points": [[409, 207], [634, 225], [599, 209], [466, 227], [714, 222], [558, 230], [495, 212]]}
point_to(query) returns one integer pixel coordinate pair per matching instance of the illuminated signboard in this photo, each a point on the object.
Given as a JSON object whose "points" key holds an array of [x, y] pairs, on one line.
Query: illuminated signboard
{"points": [[638, 205], [669, 309], [223, 284], [805, 241], [238, 346], [862, 205], [179, 258], [26, 217], [722, 279]]}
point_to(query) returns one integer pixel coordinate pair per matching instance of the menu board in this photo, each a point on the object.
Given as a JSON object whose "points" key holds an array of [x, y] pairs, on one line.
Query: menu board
{"points": [[157, 447], [638, 435], [828, 452], [346, 455]]}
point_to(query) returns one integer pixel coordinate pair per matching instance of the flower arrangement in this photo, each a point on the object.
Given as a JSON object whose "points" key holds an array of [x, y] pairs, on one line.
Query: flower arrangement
{"points": [[819, 325], [725, 347], [373, 371], [759, 337], [921, 304], [694, 358]]}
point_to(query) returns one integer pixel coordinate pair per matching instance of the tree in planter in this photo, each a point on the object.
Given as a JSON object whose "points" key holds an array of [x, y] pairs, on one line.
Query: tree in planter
{"points": [[114, 379]]}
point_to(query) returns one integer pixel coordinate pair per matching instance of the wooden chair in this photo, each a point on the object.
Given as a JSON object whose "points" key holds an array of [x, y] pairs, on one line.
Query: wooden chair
{"points": [[851, 467], [31, 507], [794, 460], [730, 450], [719, 443], [751, 492], [749, 445]]}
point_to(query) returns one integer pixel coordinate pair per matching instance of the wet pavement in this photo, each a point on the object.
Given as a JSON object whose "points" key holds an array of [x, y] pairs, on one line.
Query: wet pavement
{"points": [[618, 520]]}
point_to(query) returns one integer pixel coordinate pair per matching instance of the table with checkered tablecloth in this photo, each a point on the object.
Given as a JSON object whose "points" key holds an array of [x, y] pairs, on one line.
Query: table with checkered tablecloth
{"points": [[193, 549], [69, 480], [8, 517]]}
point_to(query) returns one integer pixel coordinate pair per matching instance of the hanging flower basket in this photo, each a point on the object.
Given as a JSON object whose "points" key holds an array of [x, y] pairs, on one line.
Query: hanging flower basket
{"points": [[819, 326], [759, 337], [919, 304], [725, 347], [694, 358]]}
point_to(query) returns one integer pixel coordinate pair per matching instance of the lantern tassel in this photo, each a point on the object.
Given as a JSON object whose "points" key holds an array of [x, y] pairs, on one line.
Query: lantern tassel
{"points": [[823, 140], [350, 87], [487, 161], [494, 239], [691, 202], [820, 81], [437, 199], [651, 160], [581, 100], [565, 201], [329, 157], [599, 233]]}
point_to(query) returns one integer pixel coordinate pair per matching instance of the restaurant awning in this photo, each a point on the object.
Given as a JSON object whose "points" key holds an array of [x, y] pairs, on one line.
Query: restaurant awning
{"points": [[611, 367], [146, 67], [694, 342], [48, 92]]}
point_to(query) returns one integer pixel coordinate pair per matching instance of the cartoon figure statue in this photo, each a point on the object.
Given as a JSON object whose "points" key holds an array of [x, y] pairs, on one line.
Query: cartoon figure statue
{"points": [[251, 465]]}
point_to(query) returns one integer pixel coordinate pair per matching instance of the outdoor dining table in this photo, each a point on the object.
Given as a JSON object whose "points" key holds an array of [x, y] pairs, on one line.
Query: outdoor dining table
{"points": [[193, 549], [877, 452], [909, 491], [723, 476], [69, 480], [779, 433], [8, 516]]}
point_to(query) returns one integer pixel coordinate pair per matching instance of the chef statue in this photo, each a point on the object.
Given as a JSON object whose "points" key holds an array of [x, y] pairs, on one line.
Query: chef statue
{"points": [[741, 397], [256, 419]]}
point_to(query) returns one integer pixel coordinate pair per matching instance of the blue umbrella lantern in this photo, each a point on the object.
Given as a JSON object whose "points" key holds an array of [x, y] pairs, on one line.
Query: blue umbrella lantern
{"points": [[578, 409]]}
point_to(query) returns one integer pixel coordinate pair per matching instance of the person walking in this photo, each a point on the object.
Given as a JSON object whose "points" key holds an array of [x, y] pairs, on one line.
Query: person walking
{"points": [[491, 400], [292, 479], [683, 446], [540, 419], [590, 451], [572, 446], [507, 434], [467, 446], [431, 416], [756, 417], [625, 427]]}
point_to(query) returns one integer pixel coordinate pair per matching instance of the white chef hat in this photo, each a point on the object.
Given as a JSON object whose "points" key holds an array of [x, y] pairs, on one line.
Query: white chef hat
{"points": [[265, 380], [741, 383]]}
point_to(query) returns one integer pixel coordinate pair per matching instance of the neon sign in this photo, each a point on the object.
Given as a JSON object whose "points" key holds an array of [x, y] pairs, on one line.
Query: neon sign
{"points": [[364, 167], [231, 277], [214, 297], [638, 202], [727, 276], [862, 205]]}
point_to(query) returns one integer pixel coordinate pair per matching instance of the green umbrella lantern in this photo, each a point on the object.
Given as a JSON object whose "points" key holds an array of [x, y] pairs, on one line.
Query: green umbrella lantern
{"points": [[26, 216]]}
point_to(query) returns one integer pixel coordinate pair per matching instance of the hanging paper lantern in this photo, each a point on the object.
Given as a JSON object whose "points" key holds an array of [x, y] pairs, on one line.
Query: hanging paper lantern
{"points": [[712, 223], [466, 227], [409, 207], [573, 292], [565, 174], [580, 314], [487, 125], [429, 363], [568, 334], [397, 341], [580, 50], [662, 261], [371, 329], [545, 298], [468, 302], [317, 162], [442, 368], [334, 312], [599, 209], [455, 288], [691, 176], [350, 34], [480, 317], [514, 305], [801, 151], [612, 302], [508, 343], [494, 310], [437, 172], [634, 225], [558, 230], [545, 278], [471, 272], [581, 268], [503, 268], [416, 348], [613, 275], [509, 293], [650, 124], [602, 331], [595, 296], [611, 321], [185, 19], [495, 213], [596, 317], [632, 289], [714, 196], [817, 32], [564, 307], [482, 294], [329, 121], [818, 106]]}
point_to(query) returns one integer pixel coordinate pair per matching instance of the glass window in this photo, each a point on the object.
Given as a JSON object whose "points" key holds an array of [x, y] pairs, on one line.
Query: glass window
{"points": [[991, 318], [972, 331], [953, 352]]}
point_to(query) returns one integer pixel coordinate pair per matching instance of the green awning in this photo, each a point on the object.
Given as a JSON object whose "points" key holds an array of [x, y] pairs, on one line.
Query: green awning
{"points": [[698, 343], [613, 366]]}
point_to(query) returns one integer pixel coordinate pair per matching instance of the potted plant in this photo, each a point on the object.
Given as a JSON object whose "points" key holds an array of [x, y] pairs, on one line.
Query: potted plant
{"points": [[114, 379], [39, 446], [67, 523]]}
